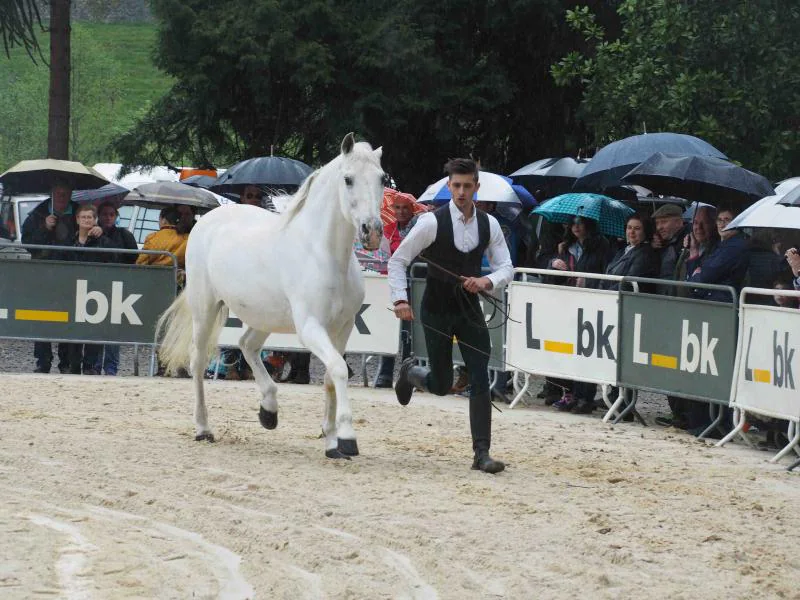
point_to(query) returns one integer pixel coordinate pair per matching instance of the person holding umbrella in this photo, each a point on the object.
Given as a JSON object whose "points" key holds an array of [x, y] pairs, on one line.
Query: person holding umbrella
{"points": [[52, 223], [583, 250]]}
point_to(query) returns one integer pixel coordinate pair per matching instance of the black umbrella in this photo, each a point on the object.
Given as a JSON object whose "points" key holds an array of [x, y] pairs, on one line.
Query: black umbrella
{"points": [[550, 176], [699, 178], [613, 161], [274, 172], [171, 193]]}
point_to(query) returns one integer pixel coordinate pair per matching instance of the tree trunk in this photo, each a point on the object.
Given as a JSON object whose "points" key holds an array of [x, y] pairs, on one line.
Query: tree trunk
{"points": [[58, 124]]}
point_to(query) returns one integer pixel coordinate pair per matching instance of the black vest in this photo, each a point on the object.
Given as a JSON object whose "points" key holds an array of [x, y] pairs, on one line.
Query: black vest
{"points": [[441, 287]]}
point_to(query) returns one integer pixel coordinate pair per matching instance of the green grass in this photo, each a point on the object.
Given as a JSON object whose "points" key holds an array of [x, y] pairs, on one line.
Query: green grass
{"points": [[132, 46], [122, 82]]}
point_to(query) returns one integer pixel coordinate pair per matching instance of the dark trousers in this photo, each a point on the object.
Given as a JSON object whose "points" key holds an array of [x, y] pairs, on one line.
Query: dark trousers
{"points": [[43, 353], [440, 360]]}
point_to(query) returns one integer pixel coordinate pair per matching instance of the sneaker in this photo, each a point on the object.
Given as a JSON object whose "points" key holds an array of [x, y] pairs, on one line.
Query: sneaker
{"points": [[565, 399]]}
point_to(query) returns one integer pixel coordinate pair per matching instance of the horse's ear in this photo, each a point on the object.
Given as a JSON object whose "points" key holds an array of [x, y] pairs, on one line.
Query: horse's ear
{"points": [[378, 152], [348, 142]]}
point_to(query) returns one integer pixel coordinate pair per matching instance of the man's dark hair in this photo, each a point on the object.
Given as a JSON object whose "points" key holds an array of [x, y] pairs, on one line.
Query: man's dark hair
{"points": [[105, 204], [734, 209], [461, 166]]}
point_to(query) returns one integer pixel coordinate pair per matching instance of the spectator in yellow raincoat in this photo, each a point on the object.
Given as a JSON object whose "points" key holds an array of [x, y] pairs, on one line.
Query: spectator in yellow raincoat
{"points": [[167, 239]]}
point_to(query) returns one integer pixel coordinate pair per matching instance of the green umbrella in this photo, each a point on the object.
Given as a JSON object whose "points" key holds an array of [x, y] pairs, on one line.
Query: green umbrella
{"points": [[610, 214]]}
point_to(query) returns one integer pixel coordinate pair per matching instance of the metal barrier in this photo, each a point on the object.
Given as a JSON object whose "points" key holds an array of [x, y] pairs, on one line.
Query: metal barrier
{"points": [[763, 382], [542, 315], [678, 346], [494, 322], [84, 302]]}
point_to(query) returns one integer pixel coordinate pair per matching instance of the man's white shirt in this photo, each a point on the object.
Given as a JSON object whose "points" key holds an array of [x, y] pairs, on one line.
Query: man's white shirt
{"points": [[465, 236]]}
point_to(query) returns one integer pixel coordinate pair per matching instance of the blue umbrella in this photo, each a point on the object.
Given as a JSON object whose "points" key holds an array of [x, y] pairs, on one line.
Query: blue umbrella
{"points": [[610, 214], [201, 181], [613, 161], [110, 192]]}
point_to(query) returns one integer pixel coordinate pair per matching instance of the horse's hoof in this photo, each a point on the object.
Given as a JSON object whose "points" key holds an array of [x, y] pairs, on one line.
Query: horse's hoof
{"points": [[334, 453], [209, 437], [268, 419], [348, 447]]}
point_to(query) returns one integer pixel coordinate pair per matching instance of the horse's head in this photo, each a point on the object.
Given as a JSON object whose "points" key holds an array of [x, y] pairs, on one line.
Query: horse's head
{"points": [[361, 190]]}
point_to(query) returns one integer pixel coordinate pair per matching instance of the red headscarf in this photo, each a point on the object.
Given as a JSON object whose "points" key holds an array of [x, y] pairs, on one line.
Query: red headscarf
{"points": [[390, 197]]}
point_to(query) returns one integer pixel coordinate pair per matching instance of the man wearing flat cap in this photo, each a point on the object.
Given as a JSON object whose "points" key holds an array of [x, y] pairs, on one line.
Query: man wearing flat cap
{"points": [[670, 231]]}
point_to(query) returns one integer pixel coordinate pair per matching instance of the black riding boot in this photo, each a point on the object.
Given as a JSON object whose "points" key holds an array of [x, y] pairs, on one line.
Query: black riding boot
{"points": [[480, 424], [410, 377]]}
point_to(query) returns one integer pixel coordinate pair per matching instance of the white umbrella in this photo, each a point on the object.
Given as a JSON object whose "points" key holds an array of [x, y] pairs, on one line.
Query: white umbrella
{"points": [[494, 188], [787, 185], [768, 213]]}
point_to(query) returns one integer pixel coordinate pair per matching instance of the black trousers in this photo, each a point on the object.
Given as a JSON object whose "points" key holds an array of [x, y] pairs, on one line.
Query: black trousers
{"points": [[440, 360], [43, 353]]}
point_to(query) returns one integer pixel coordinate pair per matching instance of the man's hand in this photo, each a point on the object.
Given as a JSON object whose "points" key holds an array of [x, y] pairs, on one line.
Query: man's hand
{"points": [[477, 284], [50, 222], [402, 310], [95, 231], [793, 258]]}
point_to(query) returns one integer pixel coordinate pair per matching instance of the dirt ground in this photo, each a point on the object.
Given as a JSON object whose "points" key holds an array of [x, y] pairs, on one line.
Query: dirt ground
{"points": [[105, 495]]}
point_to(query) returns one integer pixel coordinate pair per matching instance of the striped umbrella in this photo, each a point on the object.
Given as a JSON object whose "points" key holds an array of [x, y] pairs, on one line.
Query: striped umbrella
{"points": [[610, 214]]}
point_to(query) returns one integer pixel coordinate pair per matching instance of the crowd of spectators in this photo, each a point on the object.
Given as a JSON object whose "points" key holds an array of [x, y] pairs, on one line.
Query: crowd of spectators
{"points": [[672, 245], [58, 221], [664, 245]]}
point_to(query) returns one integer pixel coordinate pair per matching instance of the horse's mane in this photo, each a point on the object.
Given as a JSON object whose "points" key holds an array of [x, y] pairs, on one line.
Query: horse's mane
{"points": [[298, 199], [363, 152]]}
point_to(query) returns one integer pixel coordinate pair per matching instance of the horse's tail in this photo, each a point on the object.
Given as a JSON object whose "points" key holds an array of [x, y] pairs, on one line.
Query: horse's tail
{"points": [[176, 343]]}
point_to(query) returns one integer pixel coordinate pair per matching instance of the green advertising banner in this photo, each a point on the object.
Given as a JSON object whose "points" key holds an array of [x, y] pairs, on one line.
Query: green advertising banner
{"points": [[76, 301], [494, 320], [677, 346]]}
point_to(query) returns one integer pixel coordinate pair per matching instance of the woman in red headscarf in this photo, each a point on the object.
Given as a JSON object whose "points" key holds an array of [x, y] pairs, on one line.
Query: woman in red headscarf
{"points": [[398, 212], [399, 222]]}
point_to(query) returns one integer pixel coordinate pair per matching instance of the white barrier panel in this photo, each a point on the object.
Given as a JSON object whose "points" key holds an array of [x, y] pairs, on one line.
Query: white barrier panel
{"points": [[768, 362], [377, 330], [563, 331]]}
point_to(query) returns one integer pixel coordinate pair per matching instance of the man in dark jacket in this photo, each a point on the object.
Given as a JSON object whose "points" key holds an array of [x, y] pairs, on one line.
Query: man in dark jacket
{"points": [[52, 223], [670, 231], [118, 237]]}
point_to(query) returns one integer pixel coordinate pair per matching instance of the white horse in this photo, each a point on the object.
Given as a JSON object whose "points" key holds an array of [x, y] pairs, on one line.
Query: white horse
{"points": [[282, 273]]}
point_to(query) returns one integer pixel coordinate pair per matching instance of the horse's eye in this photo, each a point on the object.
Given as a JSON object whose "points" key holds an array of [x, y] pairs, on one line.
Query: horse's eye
{"points": [[348, 181]]}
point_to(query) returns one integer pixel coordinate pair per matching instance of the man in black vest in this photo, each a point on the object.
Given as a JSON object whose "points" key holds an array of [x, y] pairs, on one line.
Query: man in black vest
{"points": [[452, 240]]}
